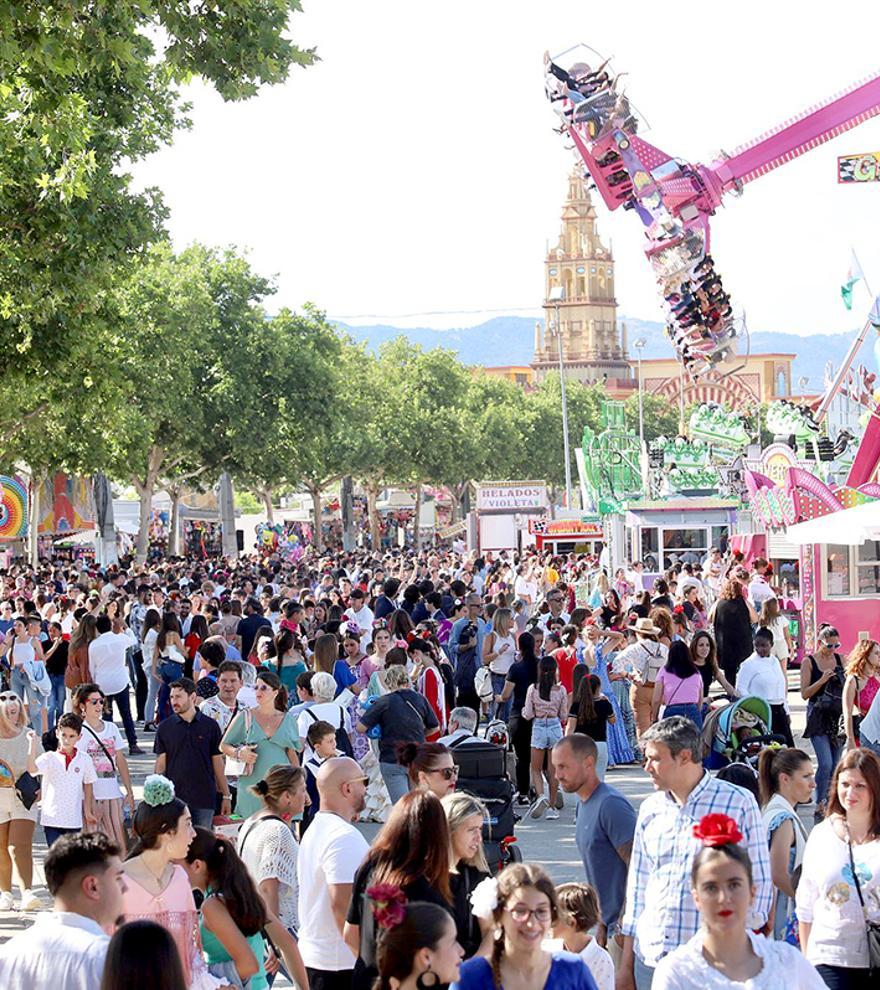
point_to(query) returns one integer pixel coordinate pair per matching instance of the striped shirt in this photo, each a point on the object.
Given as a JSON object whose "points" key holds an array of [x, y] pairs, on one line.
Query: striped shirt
{"points": [[660, 911]]}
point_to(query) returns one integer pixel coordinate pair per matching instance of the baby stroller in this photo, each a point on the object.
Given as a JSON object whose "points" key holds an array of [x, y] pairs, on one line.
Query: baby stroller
{"points": [[737, 732], [482, 772]]}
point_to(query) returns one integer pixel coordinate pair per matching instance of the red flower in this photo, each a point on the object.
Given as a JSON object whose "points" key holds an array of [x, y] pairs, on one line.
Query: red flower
{"points": [[717, 830], [389, 904]]}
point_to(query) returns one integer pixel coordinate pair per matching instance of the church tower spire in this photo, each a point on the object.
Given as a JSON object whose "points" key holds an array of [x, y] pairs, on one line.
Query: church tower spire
{"points": [[583, 267]]}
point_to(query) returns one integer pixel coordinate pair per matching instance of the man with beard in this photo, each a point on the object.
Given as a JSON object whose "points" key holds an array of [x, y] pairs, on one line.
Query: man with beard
{"points": [[331, 851]]}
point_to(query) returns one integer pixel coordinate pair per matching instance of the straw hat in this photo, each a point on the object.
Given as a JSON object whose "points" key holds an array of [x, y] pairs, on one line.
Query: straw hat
{"points": [[646, 628]]}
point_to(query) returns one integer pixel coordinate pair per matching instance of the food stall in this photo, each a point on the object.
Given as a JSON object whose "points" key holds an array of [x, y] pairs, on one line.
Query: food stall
{"points": [[585, 535]]}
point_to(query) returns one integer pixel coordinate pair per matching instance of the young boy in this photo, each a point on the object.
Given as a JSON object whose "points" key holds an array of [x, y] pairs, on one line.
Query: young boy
{"points": [[67, 779], [321, 738], [578, 913]]}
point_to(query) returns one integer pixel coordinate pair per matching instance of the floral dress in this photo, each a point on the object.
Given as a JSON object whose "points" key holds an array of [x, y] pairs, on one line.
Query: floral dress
{"points": [[619, 748]]}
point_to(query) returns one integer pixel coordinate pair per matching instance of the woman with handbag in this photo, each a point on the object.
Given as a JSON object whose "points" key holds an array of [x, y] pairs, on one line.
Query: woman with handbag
{"points": [[18, 813], [822, 680], [838, 897], [260, 738], [103, 743]]}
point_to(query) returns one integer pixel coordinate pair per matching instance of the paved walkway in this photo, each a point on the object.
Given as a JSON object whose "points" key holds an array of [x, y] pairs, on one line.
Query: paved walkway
{"points": [[550, 843]]}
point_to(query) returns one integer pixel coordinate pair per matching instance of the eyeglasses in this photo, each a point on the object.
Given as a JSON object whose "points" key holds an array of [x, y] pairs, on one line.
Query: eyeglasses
{"points": [[448, 772], [94, 701], [521, 913]]}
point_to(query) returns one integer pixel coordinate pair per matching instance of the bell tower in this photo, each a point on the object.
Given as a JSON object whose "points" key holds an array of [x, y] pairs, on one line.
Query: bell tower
{"points": [[592, 346]]}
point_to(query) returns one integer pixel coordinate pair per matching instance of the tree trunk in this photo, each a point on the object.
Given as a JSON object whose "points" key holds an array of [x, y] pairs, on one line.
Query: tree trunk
{"points": [[266, 495], [417, 520], [145, 489], [227, 516], [318, 535], [174, 527], [372, 490], [34, 542]]}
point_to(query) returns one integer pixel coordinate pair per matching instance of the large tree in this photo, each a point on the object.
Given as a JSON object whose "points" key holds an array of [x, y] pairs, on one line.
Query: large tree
{"points": [[85, 90]]}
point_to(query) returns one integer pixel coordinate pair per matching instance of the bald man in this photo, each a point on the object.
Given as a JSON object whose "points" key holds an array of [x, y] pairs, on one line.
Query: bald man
{"points": [[331, 851]]}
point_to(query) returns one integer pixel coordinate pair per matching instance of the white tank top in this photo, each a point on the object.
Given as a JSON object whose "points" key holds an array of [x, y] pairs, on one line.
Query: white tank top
{"points": [[501, 665], [22, 652]]}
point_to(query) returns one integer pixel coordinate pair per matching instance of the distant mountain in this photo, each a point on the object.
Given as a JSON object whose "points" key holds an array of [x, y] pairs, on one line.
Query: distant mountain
{"points": [[511, 339]]}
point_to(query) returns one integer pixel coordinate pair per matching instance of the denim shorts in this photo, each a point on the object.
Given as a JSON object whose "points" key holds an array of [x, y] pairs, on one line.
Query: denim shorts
{"points": [[546, 733]]}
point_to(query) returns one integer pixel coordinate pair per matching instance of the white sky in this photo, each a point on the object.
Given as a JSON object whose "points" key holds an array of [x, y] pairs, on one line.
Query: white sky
{"points": [[414, 169]]}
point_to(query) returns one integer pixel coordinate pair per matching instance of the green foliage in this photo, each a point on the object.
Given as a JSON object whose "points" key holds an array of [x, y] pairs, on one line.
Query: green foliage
{"points": [[660, 416], [84, 92], [247, 503]]}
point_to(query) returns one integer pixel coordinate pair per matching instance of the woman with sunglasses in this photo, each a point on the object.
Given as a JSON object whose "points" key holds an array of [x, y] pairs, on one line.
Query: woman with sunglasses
{"points": [[521, 906], [17, 822], [412, 852], [103, 743], [430, 767]]}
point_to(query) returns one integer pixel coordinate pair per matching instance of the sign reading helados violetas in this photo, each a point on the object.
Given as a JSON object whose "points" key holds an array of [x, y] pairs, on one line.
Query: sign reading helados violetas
{"points": [[511, 496]]}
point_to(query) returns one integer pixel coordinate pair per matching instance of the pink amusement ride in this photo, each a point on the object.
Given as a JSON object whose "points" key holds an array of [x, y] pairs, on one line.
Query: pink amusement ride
{"points": [[675, 199]]}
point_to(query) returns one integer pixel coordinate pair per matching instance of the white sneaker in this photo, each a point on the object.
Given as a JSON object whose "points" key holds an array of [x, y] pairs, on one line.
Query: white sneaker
{"points": [[552, 814], [537, 809], [29, 901], [7, 901]]}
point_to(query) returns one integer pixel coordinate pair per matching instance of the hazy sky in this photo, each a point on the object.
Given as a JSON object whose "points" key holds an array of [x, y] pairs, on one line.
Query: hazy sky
{"points": [[415, 169]]}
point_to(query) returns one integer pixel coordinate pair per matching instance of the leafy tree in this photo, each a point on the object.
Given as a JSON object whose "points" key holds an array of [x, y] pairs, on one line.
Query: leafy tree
{"points": [[184, 318], [85, 89], [660, 416]]}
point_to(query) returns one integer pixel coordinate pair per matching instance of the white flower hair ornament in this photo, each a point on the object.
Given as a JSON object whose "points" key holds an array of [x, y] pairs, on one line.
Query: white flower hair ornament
{"points": [[158, 790], [484, 899]]}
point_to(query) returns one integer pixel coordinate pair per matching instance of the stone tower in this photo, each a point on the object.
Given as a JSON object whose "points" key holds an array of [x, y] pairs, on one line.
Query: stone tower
{"points": [[592, 347]]}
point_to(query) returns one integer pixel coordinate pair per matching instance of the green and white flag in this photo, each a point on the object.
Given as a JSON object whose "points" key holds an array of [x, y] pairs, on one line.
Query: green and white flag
{"points": [[852, 276]]}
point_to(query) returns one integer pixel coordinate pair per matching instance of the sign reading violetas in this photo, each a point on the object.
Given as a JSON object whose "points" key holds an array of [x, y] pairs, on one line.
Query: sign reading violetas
{"points": [[512, 495]]}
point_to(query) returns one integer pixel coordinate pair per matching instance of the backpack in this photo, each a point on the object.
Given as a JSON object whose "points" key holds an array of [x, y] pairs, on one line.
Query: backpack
{"points": [[343, 743], [483, 684]]}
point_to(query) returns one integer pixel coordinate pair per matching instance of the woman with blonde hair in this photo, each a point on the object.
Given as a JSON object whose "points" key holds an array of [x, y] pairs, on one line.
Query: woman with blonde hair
{"points": [[861, 686], [17, 821], [466, 816], [662, 619], [499, 654]]}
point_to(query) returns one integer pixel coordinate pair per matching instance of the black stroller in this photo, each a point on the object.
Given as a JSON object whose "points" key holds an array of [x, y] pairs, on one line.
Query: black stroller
{"points": [[482, 772]]}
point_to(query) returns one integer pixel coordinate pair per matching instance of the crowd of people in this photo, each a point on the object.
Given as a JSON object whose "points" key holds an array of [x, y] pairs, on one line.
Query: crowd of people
{"points": [[288, 703]]}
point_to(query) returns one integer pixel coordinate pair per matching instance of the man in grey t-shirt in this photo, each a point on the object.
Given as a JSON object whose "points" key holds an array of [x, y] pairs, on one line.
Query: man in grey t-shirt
{"points": [[604, 830]]}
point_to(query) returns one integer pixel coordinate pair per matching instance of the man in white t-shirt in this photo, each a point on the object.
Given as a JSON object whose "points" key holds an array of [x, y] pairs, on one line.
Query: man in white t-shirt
{"points": [[361, 614], [331, 851], [525, 586]]}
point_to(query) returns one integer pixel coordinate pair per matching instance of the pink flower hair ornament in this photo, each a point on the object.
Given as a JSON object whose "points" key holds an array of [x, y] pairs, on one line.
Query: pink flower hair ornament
{"points": [[389, 904]]}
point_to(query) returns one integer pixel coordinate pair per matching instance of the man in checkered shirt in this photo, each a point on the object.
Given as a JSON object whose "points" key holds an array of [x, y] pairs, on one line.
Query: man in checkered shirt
{"points": [[660, 914]]}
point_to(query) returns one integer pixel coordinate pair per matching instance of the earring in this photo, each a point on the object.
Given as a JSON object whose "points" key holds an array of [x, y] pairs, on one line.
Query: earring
{"points": [[424, 984]]}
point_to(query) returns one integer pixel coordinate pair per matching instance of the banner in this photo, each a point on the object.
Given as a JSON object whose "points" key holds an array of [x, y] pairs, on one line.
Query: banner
{"points": [[13, 507], [859, 168], [65, 504], [511, 495]]}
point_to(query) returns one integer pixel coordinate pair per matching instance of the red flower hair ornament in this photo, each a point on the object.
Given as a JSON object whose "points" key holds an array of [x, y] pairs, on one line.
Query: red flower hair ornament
{"points": [[389, 904], [717, 830]]}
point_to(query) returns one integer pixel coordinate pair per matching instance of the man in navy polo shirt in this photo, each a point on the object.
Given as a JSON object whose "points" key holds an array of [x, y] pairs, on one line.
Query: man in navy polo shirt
{"points": [[187, 748], [248, 626]]}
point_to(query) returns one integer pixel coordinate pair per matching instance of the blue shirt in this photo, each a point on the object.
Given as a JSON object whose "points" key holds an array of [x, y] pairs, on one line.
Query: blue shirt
{"points": [[455, 634], [606, 822], [567, 972]]}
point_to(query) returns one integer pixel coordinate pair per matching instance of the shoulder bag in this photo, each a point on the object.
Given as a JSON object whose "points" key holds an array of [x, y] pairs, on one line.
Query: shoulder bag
{"points": [[238, 768], [872, 928]]}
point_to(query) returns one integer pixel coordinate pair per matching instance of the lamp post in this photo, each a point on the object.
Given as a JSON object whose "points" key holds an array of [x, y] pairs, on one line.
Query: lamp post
{"points": [[557, 294], [638, 345]]}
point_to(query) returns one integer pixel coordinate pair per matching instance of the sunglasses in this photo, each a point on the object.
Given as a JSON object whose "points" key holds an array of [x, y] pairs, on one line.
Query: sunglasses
{"points": [[94, 701], [448, 772], [8, 697], [359, 780]]}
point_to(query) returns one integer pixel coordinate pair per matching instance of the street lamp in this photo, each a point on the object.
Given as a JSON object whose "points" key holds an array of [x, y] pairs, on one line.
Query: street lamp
{"points": [[557, 294], [638, 345]]}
